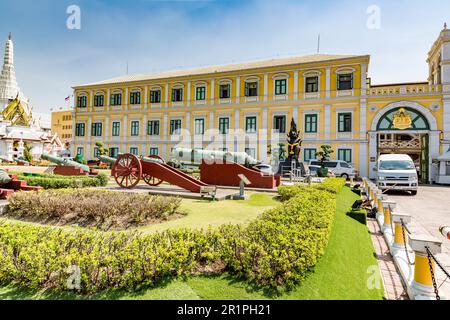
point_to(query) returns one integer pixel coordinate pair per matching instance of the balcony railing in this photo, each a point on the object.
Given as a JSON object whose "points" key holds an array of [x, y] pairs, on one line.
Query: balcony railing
{"points": [[407, 89]]}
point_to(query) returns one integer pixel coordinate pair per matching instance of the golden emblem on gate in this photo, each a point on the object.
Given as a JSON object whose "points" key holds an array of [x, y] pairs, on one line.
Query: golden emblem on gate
{"points": [[402, 120]]}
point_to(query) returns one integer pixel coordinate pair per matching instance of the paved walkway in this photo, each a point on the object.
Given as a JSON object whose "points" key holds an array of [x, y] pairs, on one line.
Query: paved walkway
{"points": [[430, 209], [392, 281]]}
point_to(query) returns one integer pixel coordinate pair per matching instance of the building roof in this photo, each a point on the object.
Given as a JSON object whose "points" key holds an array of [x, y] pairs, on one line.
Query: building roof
{"points": [[226, 68]]}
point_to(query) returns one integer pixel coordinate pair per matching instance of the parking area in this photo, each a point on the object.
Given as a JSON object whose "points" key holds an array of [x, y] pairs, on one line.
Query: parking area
{"points": [[430, 209]]}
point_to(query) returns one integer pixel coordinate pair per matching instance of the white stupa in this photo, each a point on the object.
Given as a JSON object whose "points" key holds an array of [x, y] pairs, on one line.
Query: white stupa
{"points": [[18, 127]]}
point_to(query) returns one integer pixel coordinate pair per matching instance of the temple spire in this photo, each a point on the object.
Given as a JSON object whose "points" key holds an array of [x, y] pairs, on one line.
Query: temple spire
{"points": [[10, 36]]}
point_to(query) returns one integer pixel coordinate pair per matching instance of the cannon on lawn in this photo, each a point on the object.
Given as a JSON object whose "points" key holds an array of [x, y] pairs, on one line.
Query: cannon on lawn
{"points": [[198, 156], [128, 170], [67, 167]]}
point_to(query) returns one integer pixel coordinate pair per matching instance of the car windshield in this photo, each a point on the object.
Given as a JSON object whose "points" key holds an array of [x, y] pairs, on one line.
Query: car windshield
{"points": [[397, 165]]}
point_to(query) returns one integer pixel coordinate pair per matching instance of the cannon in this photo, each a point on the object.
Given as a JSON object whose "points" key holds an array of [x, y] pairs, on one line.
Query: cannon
{"points": [[128, 170], [198, 156], [67, 167]]}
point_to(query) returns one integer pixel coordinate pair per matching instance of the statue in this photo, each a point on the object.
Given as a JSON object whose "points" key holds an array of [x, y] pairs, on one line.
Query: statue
{"points": [[294, 142]]}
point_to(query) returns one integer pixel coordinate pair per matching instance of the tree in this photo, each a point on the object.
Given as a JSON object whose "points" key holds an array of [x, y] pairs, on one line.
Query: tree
{"points": [[27, 152], [102, 151], [324, 156]]}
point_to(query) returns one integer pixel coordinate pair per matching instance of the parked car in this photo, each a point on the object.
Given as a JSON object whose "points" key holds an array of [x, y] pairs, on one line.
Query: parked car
{"points": [[396, 172], [338, 167]]}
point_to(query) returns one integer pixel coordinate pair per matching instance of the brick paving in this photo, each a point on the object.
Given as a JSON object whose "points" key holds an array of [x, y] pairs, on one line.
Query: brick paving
{"points": [[393, 284]]}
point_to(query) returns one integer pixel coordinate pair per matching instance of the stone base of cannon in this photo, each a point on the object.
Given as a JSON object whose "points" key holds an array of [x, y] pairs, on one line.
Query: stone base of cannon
{"points": [[73, 171], [14, 185]]}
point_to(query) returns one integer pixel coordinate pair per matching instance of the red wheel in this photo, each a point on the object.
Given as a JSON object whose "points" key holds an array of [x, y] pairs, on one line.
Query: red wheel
{"points": [[127, 171], [152, 181]]}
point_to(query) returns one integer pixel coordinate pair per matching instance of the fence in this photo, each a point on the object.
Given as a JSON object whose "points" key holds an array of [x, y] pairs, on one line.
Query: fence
{"points": [[413, 253]]}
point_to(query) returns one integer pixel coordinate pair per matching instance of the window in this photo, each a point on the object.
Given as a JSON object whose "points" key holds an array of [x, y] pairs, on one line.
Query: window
{"points": [[345, 155], [309, 154], [311, 123], [113, 152], [344, 122], [251, 89], [116, 99], [175, 126], [82, 102], [250, 124], [345, 81], [312, 84], [116, 129], [80, 130], [200, 93], [224, 125], [99, 100], [280, 86], [177, 95], [97, 129], [279, 123], [153, 128], [96, 152], [80, 151], [225, 91], [251, 152], [134, 150], [155, 96], [135, 97], [153, 151], [134, 128], [199, 126]]}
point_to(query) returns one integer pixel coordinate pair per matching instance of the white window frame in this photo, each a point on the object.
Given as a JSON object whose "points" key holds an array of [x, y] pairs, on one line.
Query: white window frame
{"points": [[138, 105], [99, 93], [204, 126], [308, 74], [197, 85], [310, 135], [251, 79], [345, 70], [155, 88], [223, 82], [345, 135], [178, 86], [280, 76]]}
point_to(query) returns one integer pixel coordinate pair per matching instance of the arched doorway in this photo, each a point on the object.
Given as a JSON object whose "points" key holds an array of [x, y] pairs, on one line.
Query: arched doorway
{"points": [[404, 130], [405, 127]]}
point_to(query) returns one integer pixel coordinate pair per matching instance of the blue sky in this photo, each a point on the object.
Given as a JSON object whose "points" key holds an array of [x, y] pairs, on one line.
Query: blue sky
{"points": [[162, 35]]}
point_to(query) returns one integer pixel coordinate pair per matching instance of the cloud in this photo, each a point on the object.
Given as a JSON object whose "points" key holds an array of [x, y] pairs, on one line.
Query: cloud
{"points": [[159, 35]]}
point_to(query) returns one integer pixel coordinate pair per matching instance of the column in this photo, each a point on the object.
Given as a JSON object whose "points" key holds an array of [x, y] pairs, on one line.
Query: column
{"points": [[327, 115], [213, 91], [373, 152], [146, 97], [145, 136], [72, 144], [211, 126], [296, 85], [263, 137], [125, 133], [166, 94], [127, 99], [238, 89], [106, 130], [91, 100], [164, 137], [434, 153], [188, 99], [236, 130], [422, 285], [362, 136], [328, 82], [88, 144], [266, 86], [363, 79]]}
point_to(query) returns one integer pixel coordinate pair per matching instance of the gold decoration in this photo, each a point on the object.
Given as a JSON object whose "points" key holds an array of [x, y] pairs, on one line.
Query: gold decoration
{"points": [[15, 112], [402, 120]]}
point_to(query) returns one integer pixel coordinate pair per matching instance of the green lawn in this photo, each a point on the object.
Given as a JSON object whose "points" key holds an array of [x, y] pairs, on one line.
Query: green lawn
{"points": [[204, 213], [342, 273]]}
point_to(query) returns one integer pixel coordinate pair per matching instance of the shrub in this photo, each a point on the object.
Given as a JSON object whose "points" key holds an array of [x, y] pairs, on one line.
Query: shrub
{"points": [[276, 250], [332, 185], [92, 207], [48, 181]]}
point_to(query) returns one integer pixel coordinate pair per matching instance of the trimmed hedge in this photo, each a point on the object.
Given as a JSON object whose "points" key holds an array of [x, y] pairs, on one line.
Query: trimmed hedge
{"points": [[48, 181], [332, 185], [276, 250], [89, 207]]}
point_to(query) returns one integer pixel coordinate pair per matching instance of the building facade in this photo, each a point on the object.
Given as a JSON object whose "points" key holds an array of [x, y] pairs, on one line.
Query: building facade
{"points": [[248, 107], [61, 124]]}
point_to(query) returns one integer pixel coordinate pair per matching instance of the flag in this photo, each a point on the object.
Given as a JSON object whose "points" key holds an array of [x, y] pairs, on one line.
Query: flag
{"points": [[68, 98]]}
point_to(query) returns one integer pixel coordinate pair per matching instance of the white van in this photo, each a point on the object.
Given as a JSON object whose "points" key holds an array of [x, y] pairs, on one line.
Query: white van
{"points": [[338, 167], [396, 172]]}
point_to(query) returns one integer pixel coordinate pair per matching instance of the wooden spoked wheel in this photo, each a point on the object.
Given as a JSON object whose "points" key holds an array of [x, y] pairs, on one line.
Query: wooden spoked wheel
{"points": [[152, 181], [127, 171]]}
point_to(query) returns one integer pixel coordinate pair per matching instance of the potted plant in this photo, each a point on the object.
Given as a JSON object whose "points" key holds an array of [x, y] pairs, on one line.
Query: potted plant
{"points": [[324, 156]]}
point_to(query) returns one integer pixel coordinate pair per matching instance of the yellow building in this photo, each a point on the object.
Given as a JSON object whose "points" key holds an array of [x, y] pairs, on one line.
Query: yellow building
{"points": [[62, 125], [248, 107]]}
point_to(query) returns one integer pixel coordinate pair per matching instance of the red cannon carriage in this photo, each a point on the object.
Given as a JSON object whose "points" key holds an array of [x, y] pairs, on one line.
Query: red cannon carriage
{"points": [[128, 170]]}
